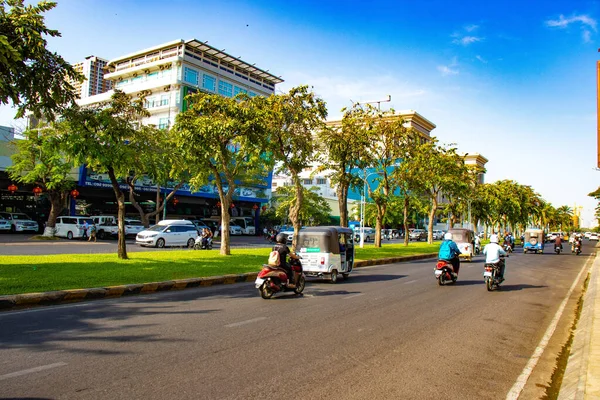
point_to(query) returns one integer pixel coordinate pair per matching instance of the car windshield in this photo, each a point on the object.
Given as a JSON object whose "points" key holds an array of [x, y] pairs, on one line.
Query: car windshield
{"points": [[136, 223], [156, 228], [88, 220], [20, 216]]}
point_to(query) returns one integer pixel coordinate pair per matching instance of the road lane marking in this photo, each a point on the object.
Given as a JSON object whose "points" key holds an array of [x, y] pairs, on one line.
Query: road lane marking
{"points": [[354, 295], [517, 388], [406, 283], [249, 321], [32, 370]]}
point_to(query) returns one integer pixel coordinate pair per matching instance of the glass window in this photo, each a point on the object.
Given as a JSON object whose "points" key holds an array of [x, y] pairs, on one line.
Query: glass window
{"points": [[209, 82], [123, 82], [137, 79], [237, 90], [163, 123], [164, 100], [225, 89], [307, 181], [190, 76], [153, 75], [321, 181], [251, 94]]}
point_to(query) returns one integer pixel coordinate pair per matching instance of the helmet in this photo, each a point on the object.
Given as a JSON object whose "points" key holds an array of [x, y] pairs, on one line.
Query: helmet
{"points": [[448, 236], [494, 239], [281, 238]]}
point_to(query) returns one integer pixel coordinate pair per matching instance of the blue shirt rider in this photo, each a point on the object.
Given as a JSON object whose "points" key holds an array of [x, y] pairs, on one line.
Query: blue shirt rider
{"points": [[449, 251]]}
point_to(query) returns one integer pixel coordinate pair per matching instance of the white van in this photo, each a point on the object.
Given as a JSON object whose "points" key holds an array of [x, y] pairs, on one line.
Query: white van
{"points": [[246, 223], [169, 232], [72, 227]]}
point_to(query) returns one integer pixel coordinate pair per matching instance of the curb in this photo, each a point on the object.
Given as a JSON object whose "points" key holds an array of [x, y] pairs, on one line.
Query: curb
{"points": [[76, 295]]}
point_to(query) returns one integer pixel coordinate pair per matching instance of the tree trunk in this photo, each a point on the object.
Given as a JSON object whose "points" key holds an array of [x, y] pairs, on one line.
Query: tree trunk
{"points": [[160, 205], [56, 203], [406, 205], [226, 200], [295, 208], [379, 224], [121, 245], [342, 193], [434, 204]]}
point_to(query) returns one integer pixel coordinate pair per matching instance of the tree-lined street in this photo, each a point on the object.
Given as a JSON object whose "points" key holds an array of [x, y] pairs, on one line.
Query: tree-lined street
{"points": [[389, 332]]}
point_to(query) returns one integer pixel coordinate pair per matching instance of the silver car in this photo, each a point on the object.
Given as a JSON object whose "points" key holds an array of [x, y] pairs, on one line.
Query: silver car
{"points": [[4, 225]]}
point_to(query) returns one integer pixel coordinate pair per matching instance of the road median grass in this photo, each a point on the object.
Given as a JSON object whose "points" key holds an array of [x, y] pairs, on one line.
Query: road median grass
{"points": [[30, 274]]}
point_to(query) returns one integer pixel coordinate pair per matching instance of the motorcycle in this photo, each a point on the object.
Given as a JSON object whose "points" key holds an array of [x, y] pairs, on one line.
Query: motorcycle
{"points": [[577, 248], [477, 248], [271, 280], [199, 246], [507, 248], [444, 272], [557, 249], [491, 275]]}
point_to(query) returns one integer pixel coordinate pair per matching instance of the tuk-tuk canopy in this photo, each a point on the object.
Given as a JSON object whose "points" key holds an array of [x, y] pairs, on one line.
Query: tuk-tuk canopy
{"points": [[533, 233], [323, 238], [461, 235]]}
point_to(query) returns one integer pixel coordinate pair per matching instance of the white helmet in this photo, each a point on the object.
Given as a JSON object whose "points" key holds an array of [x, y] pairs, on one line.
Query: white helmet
{"points": [[494, 239], [448, 236]]}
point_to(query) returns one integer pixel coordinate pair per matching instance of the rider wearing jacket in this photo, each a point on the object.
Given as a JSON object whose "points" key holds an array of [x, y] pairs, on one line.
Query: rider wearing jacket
{"points": [[284, 251], [492, 252], [449, 252]]}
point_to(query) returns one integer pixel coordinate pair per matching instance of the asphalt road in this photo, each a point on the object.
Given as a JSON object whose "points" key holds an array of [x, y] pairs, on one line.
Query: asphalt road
{"points": [[388, 333]]}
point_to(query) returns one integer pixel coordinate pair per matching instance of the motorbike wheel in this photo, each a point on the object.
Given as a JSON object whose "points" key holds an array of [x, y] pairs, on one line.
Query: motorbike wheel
{"points": [[441, 280], [489, 283], [196, 246], [300, 286], [265, 291]]}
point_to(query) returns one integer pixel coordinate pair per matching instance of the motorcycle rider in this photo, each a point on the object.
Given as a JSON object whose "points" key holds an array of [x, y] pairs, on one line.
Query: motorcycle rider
{"points": [[283, 250], [477, 243], [558, 241], [508, 240], [492, 252], [206, 235], [449, 252], [576, 242]]}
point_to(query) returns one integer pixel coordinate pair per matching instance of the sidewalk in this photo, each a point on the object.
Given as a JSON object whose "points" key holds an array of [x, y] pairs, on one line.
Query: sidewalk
{"points": [[582, 376]]}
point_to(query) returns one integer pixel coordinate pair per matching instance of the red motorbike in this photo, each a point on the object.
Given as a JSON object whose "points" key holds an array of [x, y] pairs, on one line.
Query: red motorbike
{"points": [[444, 272], [272, 280]]}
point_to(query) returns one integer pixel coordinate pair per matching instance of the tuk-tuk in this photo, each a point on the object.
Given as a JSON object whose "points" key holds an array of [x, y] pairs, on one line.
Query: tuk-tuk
{"points": [[465, 240], [534, 241], [326, 251]]}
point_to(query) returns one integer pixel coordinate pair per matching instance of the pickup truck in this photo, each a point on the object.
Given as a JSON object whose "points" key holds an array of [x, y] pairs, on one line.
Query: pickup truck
{"points": [[106, 230]]}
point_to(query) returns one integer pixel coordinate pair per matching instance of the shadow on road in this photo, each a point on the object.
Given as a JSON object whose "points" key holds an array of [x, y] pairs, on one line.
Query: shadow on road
{"points": [[359, 279], [512, 288], [467, 283]]}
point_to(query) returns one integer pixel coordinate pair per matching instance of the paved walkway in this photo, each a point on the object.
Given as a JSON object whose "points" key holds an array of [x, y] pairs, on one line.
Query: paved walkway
{"points": [[582, 376]]}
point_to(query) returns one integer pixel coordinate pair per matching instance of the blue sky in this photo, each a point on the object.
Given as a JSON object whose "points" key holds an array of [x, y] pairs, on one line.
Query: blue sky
{"points": [[514, 81]]}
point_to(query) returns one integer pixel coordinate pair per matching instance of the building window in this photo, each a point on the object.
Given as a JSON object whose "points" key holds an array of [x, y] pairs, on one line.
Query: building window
{"points": [[307, 181], [237, 90], [190, 76], [136, 79], [153, 75], [251, 94], [209, 82], [321, 181], [163, 123], [164, 100], [274, 184], [225, 89]]}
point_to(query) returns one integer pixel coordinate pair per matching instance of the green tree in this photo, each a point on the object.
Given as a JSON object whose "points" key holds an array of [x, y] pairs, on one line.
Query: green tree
{"points": [[40, 160], [441, 170], [293, 117], [106, 137], [339, 150], [31, 77], [222, 141], [314, 210]]}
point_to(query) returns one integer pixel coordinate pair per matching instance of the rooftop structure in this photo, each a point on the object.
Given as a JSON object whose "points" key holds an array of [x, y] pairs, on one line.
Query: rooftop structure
{"points": [[92, 68]]}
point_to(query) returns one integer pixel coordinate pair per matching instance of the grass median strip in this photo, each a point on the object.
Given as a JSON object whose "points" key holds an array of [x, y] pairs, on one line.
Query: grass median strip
{"points": [[30, 274]]}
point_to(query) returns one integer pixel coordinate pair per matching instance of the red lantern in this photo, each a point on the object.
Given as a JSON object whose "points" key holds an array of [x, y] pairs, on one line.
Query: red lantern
{"points": [[232, 205], [255, 207], [218, 204], [74, 193], [37, 190], [175, 200], [12, 188], [264, 208]]}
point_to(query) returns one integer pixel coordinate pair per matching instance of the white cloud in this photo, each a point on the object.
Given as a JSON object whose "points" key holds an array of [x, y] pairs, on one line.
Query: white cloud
{"points": [[471, 28], [481, 59], [586, 35], [467, 40], [563, 22], [447, 70]]}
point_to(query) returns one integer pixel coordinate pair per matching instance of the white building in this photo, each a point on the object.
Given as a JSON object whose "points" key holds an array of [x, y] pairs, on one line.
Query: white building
{"points": [[92, 68], [165, 74]]}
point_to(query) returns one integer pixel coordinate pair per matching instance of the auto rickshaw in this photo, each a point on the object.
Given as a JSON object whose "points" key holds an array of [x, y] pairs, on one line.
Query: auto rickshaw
{"points": [[534, 241], [465, 240], [326, 251]]}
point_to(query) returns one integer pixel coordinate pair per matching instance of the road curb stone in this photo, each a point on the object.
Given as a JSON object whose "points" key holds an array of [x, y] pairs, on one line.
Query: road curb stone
{"points": [[9, 302]]}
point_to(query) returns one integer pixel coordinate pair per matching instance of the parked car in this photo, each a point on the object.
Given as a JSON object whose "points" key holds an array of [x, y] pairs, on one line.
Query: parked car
{"points": [[72, 227], [587, 235], [594, 236], [418, 234], [4, 225], [438, 235], [369, 234], [20, 222], [133, 227], [169, 232], [234, 229]]}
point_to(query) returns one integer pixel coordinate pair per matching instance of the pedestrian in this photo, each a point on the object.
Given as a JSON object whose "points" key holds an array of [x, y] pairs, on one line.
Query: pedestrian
{"points": [[85, 229], [92, 233]]}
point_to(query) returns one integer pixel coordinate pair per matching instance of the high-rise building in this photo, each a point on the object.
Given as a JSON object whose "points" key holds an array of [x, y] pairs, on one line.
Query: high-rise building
{"points": [[93, 69]]}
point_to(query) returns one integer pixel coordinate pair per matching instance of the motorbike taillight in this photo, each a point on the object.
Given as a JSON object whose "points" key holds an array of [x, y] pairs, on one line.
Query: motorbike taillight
{"points": [[488, 269], [322, 260]]}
